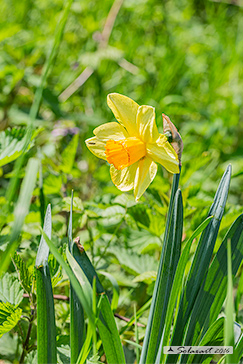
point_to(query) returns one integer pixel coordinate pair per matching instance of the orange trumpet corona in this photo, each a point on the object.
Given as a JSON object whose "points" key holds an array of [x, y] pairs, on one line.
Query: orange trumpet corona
{"points": [[124, 153]]}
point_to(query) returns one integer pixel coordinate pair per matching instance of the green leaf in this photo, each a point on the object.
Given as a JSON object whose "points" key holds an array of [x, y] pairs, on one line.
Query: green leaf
{"points": [[94, 360], [213, 337], [212, 293], [109, 334], [46, 326], [115, 286], [146, 277], [12, 142], [9, 317], [31, 358], [106, 322], [68, 155], [178, 285], [43, 249], [168, 263], [229, 310], [24, 273], [20, 211], [10, 290], [201, 261], [112, 215], [81, 277], [77, 323], [73, 279], [52, 184], [133, 263]]}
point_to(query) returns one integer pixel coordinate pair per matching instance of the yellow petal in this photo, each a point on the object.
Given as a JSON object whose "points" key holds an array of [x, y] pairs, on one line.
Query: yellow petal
{"points": [[146, 124], [112, 131], [97, 147], [163, 153], [146, 172], [125, 111], [124, 179]]}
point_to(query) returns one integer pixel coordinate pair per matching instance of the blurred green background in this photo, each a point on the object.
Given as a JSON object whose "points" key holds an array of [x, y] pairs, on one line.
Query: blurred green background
{"points": [[182, 57]]}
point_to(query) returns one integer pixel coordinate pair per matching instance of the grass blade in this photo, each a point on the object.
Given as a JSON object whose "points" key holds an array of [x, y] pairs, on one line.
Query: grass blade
{"points": [[20, 212], [46, 327]]}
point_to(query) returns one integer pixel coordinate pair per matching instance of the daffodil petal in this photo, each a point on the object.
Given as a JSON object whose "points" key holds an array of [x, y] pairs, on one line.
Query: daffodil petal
{"points": [[97, 147], [146, 172], [163, 153], [124, 179], [125, 111], [146, 125], [109, 131]]}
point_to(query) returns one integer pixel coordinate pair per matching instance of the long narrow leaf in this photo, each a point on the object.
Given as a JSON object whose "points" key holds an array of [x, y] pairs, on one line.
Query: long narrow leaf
{"points": [[229, 309], [213, 337], [77, 324], [46, 327], [200, 262], [20, 212], [106, 322], [168, 263], [213, 290], [177, 286], [76, 285]]}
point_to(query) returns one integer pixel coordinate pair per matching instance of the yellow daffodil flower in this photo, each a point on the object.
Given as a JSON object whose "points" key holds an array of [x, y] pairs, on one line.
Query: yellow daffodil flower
{"points": [[132, 146]]}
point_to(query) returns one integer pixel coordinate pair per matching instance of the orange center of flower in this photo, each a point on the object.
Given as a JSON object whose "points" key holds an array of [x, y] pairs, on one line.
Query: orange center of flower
{"points": [[124, 153]]}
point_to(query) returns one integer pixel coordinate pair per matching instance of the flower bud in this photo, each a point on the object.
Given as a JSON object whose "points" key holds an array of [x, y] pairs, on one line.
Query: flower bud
{"points": [[173, 136]]}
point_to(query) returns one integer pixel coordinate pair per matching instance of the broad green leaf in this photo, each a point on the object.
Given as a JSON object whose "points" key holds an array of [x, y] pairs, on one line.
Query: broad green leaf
{"points": [[112, 215], [9, 317], [133, 263], [12, 142], [10, 290], [146, 277], [31, 358], [52, 184], [144, 241], [24, 273], [68, 155]]}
